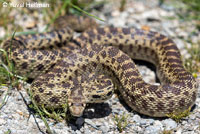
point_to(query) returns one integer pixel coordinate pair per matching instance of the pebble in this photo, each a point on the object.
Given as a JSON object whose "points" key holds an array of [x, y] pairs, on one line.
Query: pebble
{"points": [[2, 122], [147, 74], [91, 123], [130, 10], [179, 131], [167, 27], [146, 122], [104, 128], [155, 129], [193, 116], [78, 132], [169, 124], [180, 44], [136, 118], [151, 14], [87, 131]]}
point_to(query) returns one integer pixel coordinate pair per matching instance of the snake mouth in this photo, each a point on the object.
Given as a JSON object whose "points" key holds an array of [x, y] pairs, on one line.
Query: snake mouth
{"points": [[77, 109]]}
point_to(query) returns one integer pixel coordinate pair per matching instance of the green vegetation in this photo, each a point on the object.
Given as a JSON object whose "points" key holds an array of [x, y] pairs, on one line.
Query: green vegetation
{"points": [[57, 8], [8, 132], [122, 5], [121, 121], [167, 132], [8, 76], [193, 8], [188, 10], [192, 64], [191, 11], [56, 114], [178, 116], [40, 112]]}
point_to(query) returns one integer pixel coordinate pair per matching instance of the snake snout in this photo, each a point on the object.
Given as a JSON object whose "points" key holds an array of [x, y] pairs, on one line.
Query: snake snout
{"points": [[77, 109]]}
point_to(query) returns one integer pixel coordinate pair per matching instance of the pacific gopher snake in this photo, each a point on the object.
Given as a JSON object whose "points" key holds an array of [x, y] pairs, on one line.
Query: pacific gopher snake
{"points": [[83, 70]]}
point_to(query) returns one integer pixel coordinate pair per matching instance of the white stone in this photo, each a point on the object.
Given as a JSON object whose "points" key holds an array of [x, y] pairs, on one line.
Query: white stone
{"points": [[115, 13], [136, 118], [179, 131], [2, 122], [169, 124]]}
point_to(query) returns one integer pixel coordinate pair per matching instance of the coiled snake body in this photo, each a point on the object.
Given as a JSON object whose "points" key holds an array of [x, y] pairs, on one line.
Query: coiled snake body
{"points": [[83, 70]]}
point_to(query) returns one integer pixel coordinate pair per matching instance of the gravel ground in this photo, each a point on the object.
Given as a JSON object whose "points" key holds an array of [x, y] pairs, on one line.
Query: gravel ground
{"points": [[99, 118]]}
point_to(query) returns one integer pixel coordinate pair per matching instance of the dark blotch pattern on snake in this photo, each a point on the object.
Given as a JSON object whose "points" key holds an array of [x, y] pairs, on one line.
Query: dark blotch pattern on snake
{"points": [[83, 70]]}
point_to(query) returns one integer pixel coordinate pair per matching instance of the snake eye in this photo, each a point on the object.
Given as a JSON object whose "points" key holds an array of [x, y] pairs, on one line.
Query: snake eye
{"points": [[83, 104]]}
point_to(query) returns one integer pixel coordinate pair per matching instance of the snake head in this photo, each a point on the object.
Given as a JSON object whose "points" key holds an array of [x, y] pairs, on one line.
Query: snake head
{"points": [[76, 106]]}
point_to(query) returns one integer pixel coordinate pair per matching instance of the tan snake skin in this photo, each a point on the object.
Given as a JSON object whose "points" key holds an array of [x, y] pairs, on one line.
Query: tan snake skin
{"points": [[83, 70]]}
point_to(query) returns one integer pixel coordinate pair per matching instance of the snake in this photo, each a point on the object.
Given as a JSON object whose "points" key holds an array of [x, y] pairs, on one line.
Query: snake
{"points": [[88, 68]]}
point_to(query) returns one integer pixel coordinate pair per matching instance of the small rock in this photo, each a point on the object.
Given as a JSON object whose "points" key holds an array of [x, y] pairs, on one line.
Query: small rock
{"points": [[78, 132], [111, 122], [180, 44], [192, 116], [30, 25], [124, 15], [155, 129], [184, 122], [147, 74], [115, 111], [167, 7], [167, 27], [2, 122], [104, 128], [41, 124], [138, 128], [150, 14], [185, 53], [181, 33], [87, 131], [147, 122], [179, 131], [59, 131], [158, 124], [140, 7], [82, 130], [152, 130], [150, 121], [169, 124], [91, 123], [195, 39], [98, 123], [116, 22], [115, 13], [196, 127], [136, 118], [130, 10]]}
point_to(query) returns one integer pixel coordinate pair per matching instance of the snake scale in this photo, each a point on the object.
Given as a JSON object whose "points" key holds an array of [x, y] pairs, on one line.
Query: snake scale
{"points": [[86, 69]]}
